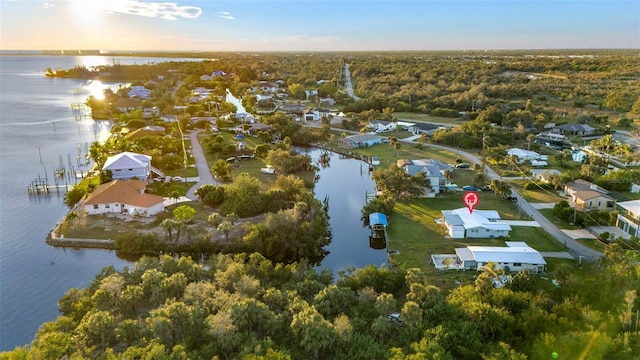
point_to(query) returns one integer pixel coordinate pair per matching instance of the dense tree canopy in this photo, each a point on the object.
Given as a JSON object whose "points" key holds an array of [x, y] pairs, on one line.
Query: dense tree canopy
{"points": [[246, 306]]}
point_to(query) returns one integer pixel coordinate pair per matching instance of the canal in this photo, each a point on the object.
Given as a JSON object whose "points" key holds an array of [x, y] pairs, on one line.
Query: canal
{"points": [[345, 181]]}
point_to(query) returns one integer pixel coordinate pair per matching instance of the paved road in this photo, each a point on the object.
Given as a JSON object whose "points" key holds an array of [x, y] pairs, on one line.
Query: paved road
{"points": [[347, 83], [575, 248], [204, 173]]}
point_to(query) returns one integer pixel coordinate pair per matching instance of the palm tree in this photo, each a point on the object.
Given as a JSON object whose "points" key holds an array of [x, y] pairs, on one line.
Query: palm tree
{"points": [[225, 227], [397, 146], [168, 225]]}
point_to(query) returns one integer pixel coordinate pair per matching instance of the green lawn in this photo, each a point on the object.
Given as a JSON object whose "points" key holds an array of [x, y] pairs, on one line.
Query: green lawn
{"points": [[251, 166], [561, 224], [415, 234], [593, 244], [539, 195]]}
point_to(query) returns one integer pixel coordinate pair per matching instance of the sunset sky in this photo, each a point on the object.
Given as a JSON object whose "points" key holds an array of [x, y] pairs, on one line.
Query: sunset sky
{"points": [[318, 25]]}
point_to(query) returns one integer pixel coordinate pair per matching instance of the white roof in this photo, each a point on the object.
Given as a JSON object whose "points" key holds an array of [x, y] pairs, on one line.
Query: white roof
{"points": [[477, 219], [521, 153], [512, 254], [631, 206], [127, 160]]}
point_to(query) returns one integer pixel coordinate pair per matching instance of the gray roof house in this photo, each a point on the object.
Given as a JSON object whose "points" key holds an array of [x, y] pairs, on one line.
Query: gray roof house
{"points": [[357, 141], [432, 169], [574, 129]]}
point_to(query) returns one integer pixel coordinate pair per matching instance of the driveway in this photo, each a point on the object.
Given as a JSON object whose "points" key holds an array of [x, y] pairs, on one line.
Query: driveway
{"points": [[539, 206], [575, 249], [204, 174], [521, 223], [579, 234]]}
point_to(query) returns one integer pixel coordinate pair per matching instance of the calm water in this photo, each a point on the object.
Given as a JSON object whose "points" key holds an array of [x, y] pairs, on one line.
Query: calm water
{"points": [[35, 113]]}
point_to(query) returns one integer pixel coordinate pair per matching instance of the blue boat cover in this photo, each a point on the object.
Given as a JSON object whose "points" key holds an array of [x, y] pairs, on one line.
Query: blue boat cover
{"points": [[377, 219]]}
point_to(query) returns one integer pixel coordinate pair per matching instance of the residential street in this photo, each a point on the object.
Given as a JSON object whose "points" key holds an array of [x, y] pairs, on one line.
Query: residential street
{"points": [[576, 249], [204, 173]]}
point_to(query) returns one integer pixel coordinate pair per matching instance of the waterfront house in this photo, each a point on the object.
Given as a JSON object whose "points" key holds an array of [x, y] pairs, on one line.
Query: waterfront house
{"points": [[128, 165], [628, 218], [588, 196], [516, 256], [432, 169], [486, 224], [574, 130], [123, 197], [358, 141]]}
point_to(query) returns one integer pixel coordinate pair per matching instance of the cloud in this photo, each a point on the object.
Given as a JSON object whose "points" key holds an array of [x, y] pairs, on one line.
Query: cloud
{"points": [[47, 5], [225, 15], [163, 10]]}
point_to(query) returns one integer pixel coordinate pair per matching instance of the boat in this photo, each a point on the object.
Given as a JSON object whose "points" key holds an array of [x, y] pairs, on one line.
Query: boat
{"points": [[268, 169]]}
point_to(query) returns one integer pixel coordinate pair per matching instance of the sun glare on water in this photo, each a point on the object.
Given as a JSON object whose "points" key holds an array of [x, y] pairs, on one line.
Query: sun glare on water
{"points": [[96, 89]]}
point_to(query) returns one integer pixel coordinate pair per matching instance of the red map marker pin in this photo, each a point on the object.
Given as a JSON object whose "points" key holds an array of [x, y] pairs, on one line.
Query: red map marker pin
{"points": [[470, 199]]}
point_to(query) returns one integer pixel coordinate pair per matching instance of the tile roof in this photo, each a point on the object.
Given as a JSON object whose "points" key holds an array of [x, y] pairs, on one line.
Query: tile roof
{"points": [[129, 192]]}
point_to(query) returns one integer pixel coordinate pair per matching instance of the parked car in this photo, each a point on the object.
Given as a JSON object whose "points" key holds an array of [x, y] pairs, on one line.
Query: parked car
{"points": [[245, 157], [512, 198], [463, 166], [486, 188], [469, 188], [177, 179], [231, 159]]}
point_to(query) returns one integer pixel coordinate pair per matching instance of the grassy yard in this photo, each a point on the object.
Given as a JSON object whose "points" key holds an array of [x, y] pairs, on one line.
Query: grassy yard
{"points": [[250, 166], [413, 230], [561, 224], [539, 195], [593, 244]]}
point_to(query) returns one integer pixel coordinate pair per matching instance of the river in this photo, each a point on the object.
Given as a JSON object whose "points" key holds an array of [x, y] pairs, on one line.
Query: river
{"points": [[37, 127]]}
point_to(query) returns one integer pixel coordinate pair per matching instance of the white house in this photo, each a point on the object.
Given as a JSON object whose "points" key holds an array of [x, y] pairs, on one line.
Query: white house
{"points": [[515, 257], [524, 155], [628, 218], [544, 175], [461, 224], [316, 114], [128, 165], [432, 169], [125, 197], [382, 125]]}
